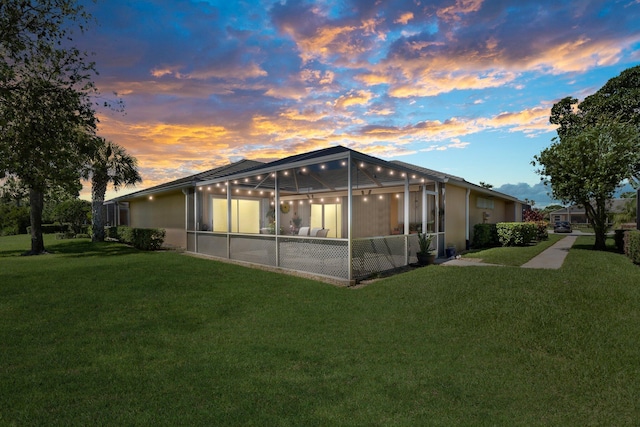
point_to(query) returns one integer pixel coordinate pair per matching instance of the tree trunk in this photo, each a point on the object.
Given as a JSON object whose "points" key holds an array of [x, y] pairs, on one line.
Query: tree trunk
{"points": [[598, 217], [36, 199], [98, 190]]}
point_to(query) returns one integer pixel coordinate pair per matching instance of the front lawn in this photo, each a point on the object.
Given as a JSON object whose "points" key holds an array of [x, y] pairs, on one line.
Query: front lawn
{"points": [[106, 335], [515, 256]]}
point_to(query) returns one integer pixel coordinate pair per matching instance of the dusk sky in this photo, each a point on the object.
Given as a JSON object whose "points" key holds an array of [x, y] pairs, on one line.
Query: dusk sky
{"points": [[461, 86]]}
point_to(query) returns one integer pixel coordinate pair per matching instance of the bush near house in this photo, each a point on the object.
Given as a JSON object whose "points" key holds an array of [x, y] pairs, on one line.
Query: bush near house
{"points": [[485, 236], [632, 245], [516, 233], [146, 239]]}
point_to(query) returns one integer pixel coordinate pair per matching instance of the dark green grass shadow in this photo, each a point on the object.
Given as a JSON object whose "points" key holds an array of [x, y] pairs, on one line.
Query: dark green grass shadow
{"points": [[74, 248]]}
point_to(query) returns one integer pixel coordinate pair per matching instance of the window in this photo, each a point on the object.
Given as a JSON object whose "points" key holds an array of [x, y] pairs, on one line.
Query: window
{"points": [[483, 203], [245, 215], [327, 216]]}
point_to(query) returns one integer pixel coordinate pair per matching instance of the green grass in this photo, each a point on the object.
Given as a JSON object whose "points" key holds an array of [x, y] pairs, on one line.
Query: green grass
{"points": [[514, 256], [106, 335]]}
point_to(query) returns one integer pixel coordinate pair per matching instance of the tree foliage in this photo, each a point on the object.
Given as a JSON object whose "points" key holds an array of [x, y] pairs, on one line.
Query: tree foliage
{"points": [[75, 212], [597, 147], [111, 164], [46, 110]]}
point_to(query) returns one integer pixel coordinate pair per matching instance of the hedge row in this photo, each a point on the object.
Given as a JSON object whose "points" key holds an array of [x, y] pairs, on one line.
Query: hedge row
{"points": [[146, 239], [485, 236], [516, 233], [52, 228], [508, 234]]}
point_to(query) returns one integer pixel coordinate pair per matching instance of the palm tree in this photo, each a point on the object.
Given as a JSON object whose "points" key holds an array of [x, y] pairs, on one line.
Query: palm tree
{"points": [[111, 164]]}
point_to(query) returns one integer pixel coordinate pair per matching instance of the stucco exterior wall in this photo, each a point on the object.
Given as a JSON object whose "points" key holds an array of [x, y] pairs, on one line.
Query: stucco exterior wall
{"points": [[455, 218], [502, 211], [163, 211]]}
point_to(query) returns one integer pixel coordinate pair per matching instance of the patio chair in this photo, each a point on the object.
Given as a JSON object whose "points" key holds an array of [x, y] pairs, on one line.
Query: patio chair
{"points": [[322, 233], [314, 231], [304, 231]]}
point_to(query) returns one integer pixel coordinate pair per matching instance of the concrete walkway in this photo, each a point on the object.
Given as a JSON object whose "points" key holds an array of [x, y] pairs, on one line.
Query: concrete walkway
{"points": [[551, 258]]}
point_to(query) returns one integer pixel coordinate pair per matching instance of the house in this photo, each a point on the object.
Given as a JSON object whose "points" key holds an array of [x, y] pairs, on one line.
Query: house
{"points": [[575, 214], [334, 212]]}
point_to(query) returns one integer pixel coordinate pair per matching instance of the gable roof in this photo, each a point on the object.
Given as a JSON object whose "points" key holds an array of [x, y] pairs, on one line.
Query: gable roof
{"points": [[460, 182], [191, 180], [316, 171], [613, 206]]}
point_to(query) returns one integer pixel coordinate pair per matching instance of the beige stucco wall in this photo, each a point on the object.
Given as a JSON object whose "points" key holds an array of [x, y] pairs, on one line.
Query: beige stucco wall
{"points": [[455, 216], [163, 211], [503, 211]]}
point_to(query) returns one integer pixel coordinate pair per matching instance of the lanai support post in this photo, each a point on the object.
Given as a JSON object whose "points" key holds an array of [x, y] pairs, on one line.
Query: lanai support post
{"points": [[350, 216], [406, 219], [276, 218], [229, 219]]}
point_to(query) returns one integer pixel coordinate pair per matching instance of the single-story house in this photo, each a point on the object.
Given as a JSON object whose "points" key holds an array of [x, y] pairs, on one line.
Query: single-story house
{"points": [[333, 212], [575, 214]]}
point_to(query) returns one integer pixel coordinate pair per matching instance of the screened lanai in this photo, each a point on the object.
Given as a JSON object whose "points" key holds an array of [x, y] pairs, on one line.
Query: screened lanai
{"points": [[333, 212]]}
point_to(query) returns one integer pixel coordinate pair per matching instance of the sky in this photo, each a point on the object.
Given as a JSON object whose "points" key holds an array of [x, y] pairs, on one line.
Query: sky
{"points": [[464, 87]]}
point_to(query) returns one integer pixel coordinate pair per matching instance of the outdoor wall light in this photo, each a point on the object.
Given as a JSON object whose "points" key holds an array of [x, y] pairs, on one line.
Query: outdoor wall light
{"points": [[150, 197], [322, 166], [343, 163]]}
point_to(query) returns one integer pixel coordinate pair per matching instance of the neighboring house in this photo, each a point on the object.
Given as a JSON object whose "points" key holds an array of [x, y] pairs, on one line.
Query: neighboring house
{"points": [[575, 214], [366, 211]]}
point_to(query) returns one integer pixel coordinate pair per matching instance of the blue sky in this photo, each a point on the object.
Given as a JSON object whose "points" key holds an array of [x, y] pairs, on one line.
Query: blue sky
{"points": [[460, 86]]}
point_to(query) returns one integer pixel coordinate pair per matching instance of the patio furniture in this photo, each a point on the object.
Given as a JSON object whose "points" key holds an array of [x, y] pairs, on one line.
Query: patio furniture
{"points": [[304, 231], [314, 231], [322, 233]]}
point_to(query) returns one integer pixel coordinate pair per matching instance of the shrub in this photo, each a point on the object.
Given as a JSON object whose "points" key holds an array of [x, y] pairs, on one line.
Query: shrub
{"points": [[516, 233], [13, 219], [541, 230], [485, 235], [146, 239], [632, 245], [111, 232], [52, 228], [66, 235]]}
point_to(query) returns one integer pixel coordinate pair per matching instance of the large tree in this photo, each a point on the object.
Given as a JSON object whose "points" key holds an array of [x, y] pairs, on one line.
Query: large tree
{"points": [[597, 148], [111, 164], [46, 109]]}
